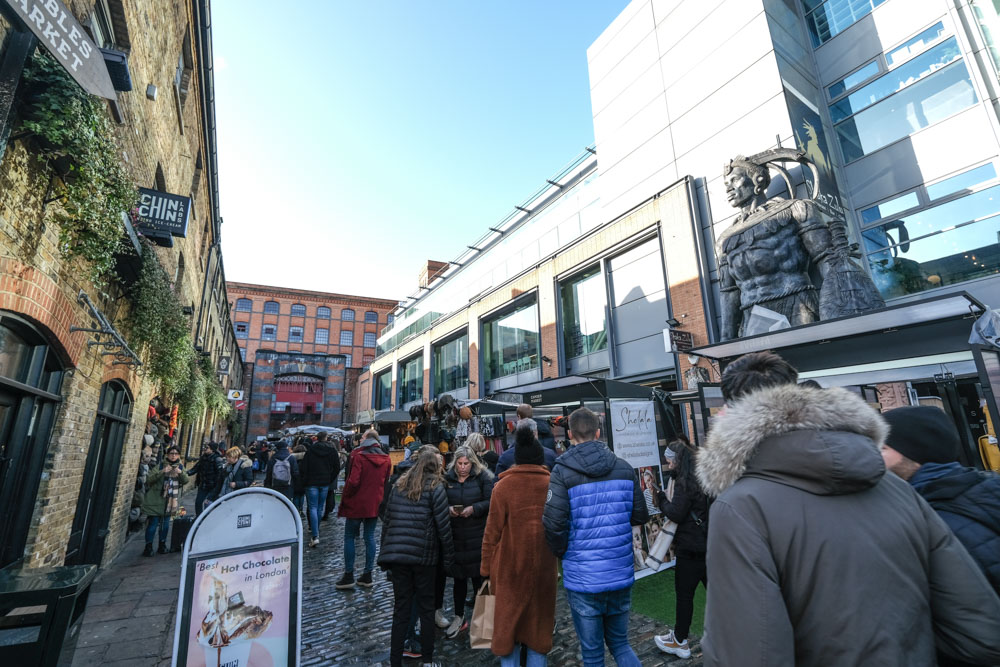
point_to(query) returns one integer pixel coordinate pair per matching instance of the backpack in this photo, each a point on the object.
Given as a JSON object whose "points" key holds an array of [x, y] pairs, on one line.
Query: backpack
{"points": [[281, 473]]}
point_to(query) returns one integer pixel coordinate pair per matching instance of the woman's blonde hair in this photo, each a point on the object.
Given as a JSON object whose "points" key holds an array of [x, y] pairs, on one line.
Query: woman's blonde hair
{"points": [[425, 473], [476, 442], [477, 464], [234, 452]]}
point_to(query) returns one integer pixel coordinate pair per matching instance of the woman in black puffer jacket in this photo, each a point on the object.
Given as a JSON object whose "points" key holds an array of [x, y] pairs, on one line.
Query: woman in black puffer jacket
{"points": [[416, 536], [470, 486]]}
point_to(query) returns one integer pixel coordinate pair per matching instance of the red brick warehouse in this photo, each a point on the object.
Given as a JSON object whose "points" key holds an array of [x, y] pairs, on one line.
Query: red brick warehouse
{"points": [[292, 382]]}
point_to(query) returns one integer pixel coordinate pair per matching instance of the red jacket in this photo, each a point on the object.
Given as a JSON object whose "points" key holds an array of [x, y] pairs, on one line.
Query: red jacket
{"points": [[368, 469]]}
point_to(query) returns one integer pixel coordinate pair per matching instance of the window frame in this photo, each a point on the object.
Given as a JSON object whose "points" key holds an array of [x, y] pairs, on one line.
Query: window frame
{"points": [[276, 309], [273, 335], [246, 331], [369, 336], [597, 272], [343, 313], [320, 315], [292, 338], [239, 301], [373, 319], [326, 336], [350, 335], [523, 302]]}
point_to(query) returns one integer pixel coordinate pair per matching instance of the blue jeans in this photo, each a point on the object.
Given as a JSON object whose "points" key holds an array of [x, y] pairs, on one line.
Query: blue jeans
{"points": [[351, 528], [600, 618], [199, 501], [151, 524], [316, 497], [535, 659]]}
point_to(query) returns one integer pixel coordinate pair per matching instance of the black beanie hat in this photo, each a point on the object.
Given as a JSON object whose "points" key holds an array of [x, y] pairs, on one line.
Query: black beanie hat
{"points": [[527, 450], [923, 434]]}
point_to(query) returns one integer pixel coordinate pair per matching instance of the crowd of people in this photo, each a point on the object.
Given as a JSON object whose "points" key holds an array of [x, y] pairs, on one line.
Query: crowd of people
{"points": [[832, 535]]}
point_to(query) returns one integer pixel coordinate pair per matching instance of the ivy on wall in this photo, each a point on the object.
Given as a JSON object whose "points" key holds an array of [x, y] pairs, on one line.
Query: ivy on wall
{"points": [[73, 132]]}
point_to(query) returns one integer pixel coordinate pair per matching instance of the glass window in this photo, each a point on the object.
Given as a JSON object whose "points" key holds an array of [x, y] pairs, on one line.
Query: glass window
{"points": [[347, 314], [852, 80], [411, 380], [323, 313], [390, 318], [510, 342], [934, 98], [831, 18], [242, 329], [268, 332], [954, 256], [294, 334], [891, 207], [347, 338], [322, 336], [244, 304], [963, 181], [383, 390], [272, 308], [450, 362], [584, 301], [371, 317], [370, 339], [913, 46], [348, 361], [298, 310], [14, 354], [915, 70], [988, 18]]}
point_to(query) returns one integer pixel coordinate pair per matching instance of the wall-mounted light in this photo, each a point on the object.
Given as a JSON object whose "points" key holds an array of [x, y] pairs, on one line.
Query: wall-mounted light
{"points": [[548, 362], [151, 92], [674, 322]]}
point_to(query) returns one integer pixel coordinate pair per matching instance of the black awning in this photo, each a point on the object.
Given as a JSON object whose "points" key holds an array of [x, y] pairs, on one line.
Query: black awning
{"points": [[931, 326], [575, 388]]}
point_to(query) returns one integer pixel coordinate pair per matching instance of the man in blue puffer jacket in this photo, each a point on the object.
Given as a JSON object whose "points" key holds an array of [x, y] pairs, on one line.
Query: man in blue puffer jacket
{"points": [[594, 500], [923, 448]]}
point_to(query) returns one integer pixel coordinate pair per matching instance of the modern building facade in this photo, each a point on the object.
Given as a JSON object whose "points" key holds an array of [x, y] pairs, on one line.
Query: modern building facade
{"points": [[303, 348], [75, 387], [894, 101]]}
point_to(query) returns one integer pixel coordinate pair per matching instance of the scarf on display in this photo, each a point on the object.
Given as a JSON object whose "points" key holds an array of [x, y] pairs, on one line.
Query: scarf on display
{"points": [[171, 491]]}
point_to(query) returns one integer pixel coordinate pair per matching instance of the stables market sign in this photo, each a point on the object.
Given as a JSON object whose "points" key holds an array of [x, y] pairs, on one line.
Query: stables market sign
{"points": [[56, 27], [161, 214]]}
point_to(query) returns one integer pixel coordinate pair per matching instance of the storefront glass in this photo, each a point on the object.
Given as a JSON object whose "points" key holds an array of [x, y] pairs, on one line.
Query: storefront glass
{"points": [[383, 390], [510, 342], [411, 380], [451, 365], [584, 303]]}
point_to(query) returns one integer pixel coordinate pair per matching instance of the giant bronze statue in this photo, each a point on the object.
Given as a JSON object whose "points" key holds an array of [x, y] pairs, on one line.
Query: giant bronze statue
{"points": [[766, 255]]}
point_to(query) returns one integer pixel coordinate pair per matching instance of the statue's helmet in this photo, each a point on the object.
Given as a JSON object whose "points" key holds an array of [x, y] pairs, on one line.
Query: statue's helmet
{"points": [[759, 173]]}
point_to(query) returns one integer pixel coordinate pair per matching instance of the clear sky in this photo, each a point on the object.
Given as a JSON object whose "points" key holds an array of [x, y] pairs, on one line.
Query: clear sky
{"points": [[358, 139]]}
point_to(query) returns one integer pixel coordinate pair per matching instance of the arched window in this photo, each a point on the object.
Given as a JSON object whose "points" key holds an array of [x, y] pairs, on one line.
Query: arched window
{"points": [[244, 304], [298, 310], [347, 314], [100, 475], [371, 317], [30, 381], [271, 308], [323, 313]]}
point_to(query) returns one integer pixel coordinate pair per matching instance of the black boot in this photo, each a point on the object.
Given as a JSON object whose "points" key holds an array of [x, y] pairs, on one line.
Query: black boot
{"points": [[148, 551], [163, 548]]}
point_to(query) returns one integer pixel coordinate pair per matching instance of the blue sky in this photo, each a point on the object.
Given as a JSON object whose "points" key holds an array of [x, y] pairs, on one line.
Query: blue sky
{"points": [[357, 140]]}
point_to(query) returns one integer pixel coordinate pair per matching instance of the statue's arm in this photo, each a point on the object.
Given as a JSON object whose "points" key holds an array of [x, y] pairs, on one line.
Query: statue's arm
{"points": [[815, 234], [730, 298]]}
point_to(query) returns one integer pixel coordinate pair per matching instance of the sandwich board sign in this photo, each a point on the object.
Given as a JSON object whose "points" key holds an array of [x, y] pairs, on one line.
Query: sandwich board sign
{"points": [[240, 599]]}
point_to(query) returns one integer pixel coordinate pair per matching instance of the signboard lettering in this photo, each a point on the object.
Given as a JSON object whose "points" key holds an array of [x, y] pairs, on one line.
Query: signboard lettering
{"points": [[56, 27], [243, 521], [162, 213]]}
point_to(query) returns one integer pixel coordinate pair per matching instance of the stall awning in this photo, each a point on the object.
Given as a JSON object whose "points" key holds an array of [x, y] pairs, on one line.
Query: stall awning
{"points": [[932, 326], [391, 416], [574, 388]]}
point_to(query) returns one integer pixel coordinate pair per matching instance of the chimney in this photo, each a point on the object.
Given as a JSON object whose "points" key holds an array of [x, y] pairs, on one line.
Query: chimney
{"points": [[430, 271]]}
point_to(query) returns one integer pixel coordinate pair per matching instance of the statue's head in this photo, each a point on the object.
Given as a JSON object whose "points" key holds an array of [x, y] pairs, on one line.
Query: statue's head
{"points": [[744, 179]]}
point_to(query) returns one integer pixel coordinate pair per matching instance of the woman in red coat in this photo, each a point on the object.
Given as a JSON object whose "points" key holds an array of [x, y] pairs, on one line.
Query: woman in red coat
{"points": [[521, 568]]}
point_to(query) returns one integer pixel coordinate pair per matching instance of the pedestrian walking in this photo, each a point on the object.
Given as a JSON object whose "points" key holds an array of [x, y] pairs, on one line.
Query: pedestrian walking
{"points": [[298, 484], [237, 474], [208, 468], [469, 486], [331, 494], [282, 470], [922, 448], [516, 560], [688, 508], [368, 468], [160, 503], [477, 443], [817, 557], [596, 554], [416, 536], [320, 467]]}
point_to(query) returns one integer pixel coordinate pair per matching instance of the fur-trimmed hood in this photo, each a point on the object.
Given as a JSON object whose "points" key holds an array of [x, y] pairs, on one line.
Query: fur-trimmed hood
{"points": [[825, 441]]}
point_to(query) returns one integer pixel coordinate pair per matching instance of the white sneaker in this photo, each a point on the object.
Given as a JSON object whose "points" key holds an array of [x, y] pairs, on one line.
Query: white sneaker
{"points": [[457, 625], [669, 644], [440, 620], [313, 541]]}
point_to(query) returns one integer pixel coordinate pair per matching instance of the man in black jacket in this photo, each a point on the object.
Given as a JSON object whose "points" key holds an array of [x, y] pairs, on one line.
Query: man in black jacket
{"points": [[209, 470], [320, 467]]}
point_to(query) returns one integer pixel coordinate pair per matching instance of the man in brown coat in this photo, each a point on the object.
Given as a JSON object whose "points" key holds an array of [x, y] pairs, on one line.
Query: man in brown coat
{"points": [[815, 554], [521, 568]]}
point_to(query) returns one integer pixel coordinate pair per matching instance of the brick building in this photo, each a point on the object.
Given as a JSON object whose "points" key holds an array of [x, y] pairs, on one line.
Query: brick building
{"points": [[73, 399], [304, 349]]}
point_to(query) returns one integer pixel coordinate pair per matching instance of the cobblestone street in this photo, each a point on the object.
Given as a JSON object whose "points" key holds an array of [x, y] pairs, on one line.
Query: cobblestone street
{"points": [[130, 616]]}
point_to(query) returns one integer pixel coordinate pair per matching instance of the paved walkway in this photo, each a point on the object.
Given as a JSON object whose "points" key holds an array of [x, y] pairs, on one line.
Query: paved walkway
{"points": [[130, 616]]}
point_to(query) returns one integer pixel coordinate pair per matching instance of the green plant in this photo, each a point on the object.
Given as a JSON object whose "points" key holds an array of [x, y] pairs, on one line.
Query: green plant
{"points": [[217, 400], [74, 133]]}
